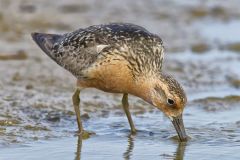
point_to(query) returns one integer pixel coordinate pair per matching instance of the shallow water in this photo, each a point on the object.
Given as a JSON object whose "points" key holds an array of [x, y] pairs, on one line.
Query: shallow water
{"points": [[216, 134], [36, 114]]}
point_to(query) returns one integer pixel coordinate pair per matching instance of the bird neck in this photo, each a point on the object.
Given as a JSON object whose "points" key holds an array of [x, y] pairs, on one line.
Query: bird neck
{"points": [[143, 88]]}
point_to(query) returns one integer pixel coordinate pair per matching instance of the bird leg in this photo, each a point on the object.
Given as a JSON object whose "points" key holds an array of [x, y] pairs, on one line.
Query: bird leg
{"points": [[76, 104], [126, 109]]}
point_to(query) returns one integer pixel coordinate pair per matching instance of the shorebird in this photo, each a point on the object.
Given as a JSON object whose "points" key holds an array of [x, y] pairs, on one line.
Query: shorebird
{"points": [[118, 58]]}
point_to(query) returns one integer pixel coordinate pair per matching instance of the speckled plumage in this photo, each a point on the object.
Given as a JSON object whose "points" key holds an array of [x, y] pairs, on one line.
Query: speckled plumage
{"points": [[81, 49], [118, 58]]}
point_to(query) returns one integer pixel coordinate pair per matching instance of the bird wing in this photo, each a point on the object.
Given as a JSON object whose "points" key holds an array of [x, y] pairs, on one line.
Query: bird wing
{"points": [[77, 50]]}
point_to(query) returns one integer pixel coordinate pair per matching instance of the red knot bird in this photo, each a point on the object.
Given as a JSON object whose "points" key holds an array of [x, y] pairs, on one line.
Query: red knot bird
{"points": [[118, 58]]}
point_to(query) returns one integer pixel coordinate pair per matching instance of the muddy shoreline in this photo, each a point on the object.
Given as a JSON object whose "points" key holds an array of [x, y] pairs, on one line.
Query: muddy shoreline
{"points": [[202, 52]]}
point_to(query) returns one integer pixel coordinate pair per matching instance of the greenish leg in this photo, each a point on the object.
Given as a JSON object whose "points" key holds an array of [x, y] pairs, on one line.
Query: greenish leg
{"points": [[126, 109], [76, 104]]}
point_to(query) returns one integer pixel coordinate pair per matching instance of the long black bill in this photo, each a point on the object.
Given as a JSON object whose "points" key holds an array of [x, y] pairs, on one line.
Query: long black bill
{"points": [[179, 126]]}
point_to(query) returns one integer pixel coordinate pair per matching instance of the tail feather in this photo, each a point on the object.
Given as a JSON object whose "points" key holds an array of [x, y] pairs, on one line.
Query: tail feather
{"points": [[51, 45], [46, 41]]}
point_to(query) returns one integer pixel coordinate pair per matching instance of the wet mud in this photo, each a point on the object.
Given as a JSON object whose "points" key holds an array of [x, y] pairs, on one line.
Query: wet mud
{"points": [[202, 51]]}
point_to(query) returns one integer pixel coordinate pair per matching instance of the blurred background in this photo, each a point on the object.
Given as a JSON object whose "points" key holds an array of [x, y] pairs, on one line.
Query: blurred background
{"points": [[202, 42]]}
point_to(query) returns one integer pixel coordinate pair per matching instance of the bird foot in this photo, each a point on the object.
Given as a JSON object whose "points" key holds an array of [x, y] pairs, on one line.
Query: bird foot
{"points": [[85, 134], [133, 132]]}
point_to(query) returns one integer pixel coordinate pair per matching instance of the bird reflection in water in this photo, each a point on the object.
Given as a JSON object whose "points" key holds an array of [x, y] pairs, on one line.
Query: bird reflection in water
{"points": [[179, 154], [79, 148], [127, 155]]}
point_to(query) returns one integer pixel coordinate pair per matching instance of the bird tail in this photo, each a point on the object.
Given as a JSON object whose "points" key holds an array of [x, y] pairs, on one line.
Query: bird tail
{"points": [[46, 41]]}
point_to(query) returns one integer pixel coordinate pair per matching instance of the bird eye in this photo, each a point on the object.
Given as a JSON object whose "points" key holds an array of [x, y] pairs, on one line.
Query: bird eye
{"points": [[170, 101]]}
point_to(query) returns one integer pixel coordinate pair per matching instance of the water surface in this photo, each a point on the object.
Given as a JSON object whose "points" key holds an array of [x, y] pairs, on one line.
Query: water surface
{"points": [[37, 120]]}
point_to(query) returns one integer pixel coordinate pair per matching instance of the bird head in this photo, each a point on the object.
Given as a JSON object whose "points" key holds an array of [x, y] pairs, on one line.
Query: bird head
{"points": [[168, 96]]}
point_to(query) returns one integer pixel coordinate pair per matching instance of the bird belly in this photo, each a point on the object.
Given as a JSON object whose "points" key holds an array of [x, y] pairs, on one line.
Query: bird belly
{"points": [[113, 76]]}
